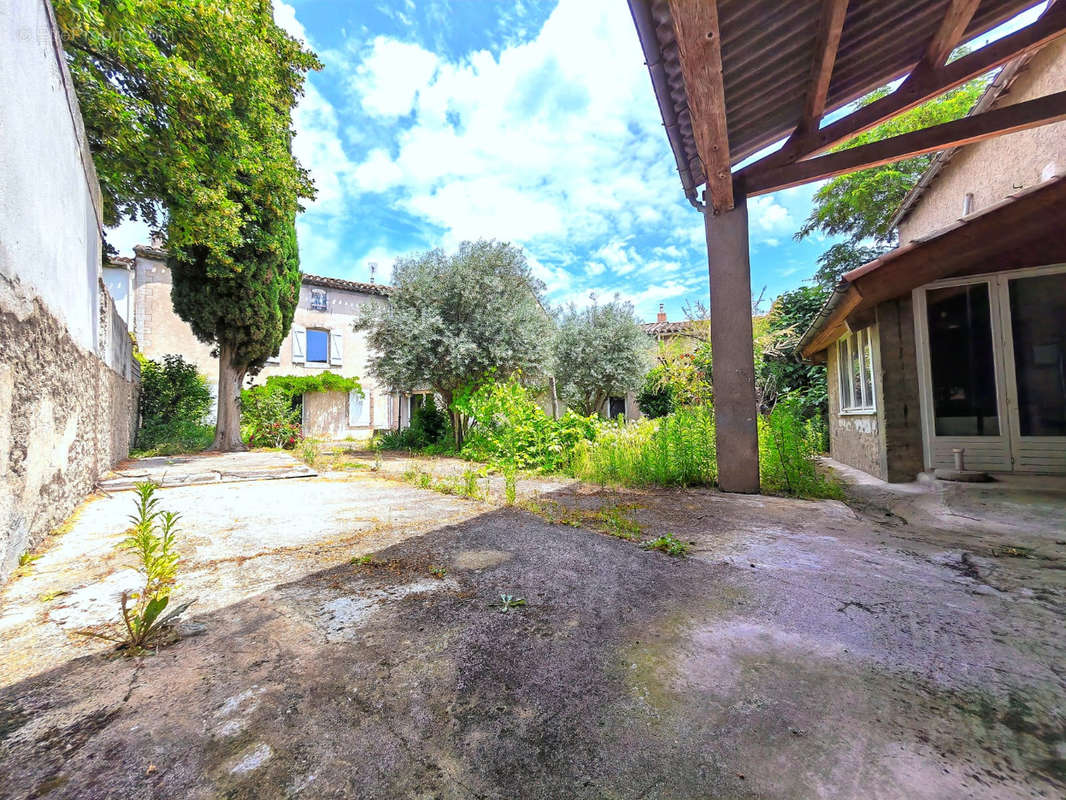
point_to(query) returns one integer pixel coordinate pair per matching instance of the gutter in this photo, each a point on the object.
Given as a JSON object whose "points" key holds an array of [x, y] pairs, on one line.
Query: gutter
{"points": [[832, 303], [649, 43]]}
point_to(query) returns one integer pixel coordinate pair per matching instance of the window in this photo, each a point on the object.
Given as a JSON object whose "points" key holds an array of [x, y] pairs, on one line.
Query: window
{"points": [[318, 300], [317, 346], [855, 371], [616, 407]]}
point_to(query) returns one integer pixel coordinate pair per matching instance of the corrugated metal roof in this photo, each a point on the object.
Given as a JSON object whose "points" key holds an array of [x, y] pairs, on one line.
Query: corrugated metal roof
{"points": [[767, 51]]}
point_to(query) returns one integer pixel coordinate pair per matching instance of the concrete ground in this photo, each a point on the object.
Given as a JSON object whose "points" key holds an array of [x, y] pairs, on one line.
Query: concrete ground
{"points": [[209, 467], [911, 645]]}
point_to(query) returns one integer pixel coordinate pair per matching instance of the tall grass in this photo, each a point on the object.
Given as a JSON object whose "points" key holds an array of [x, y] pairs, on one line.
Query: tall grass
{"points": [[679, 450], [675, 450]]}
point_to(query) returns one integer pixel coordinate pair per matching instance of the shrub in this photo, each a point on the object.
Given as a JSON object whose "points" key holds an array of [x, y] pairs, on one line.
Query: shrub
{"points": [[429, 431], [270, 418], [509, 429], [787, 447], [655, 398], [676, 450], [174, 401]]}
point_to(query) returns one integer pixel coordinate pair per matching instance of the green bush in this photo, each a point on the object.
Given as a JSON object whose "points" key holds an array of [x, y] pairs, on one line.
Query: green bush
{"points": [[676, 450], [508, 428], [429, 431], [173, 403], [787, 447], [270, 417], [655, 398]]}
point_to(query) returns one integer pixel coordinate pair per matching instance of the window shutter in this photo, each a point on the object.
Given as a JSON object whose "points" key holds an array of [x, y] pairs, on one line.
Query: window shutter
{"points": [[336, 346], [299, 344], [358, 410]]}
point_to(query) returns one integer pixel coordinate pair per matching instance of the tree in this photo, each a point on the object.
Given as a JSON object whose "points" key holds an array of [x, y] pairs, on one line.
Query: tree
{"points": [[600, 351], [243, 305], [780, 370], [454, 321], [188, 112], [860, 205], [182, 102]]}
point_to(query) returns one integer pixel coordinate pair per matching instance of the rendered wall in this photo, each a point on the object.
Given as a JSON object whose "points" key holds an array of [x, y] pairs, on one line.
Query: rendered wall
{"points": [[68, 385], [854, 439]]}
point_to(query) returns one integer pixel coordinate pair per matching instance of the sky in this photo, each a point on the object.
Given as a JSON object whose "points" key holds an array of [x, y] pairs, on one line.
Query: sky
{"points": [[529, 121]]}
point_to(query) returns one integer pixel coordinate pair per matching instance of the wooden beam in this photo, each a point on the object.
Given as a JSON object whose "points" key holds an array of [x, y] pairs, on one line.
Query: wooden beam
{"points": [[949, 34], [1009, 119], [699, 50], [920, 86], [825, 56]]}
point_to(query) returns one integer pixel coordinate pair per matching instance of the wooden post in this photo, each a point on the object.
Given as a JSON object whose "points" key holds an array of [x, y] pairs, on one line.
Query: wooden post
{"points": [[732, 348]]}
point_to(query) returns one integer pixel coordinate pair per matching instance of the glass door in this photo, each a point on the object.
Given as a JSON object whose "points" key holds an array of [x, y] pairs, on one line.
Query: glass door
{"points": [[1035, 354], [962, 405]]}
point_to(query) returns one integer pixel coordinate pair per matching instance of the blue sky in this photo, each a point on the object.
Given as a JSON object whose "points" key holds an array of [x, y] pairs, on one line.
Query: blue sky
{"points": [[532, 122]]}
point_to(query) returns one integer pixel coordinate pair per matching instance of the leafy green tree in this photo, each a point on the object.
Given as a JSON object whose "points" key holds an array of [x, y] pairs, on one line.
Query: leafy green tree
{"points": [[781, 371], [188, 111], [656, 397], [600, 351], [455, 321], [860, 205]]}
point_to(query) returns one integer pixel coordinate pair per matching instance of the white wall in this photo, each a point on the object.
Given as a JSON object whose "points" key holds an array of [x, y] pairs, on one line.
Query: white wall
{"points": [[118, 281], [46, 174]]}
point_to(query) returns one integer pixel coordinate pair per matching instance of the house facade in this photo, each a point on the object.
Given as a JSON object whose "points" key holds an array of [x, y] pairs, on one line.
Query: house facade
{"points": [[322, 338], [954, 343]]}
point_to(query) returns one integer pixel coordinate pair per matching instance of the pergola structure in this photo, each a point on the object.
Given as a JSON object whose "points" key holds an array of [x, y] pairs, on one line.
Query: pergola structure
{"points": [[733, 77]]}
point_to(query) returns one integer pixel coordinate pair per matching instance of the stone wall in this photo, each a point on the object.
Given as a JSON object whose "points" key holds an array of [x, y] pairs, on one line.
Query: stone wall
{"points": [[898, 393], [854, 439], [65, 418]]}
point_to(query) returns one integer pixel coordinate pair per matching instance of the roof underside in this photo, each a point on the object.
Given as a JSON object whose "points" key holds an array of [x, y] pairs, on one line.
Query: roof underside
{"points": [[767, 48]]}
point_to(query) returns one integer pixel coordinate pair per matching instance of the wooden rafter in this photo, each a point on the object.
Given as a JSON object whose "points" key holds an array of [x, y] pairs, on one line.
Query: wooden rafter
{"points": [[949, 34], [699, 50], [1009, 119], [920, 86], [825, 56]]}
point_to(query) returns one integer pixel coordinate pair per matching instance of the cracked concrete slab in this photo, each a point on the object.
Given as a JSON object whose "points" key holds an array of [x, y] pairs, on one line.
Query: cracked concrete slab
{"points": [[210, 467], [803, 650]]}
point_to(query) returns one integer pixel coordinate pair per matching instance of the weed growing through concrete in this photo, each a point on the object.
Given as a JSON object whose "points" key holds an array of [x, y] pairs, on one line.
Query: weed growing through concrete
{"points": [[668, 544], [553, 512], [615, 522], [308, 450], [151, 540], [363, 561], [508, 602], [438, 572], [28, 558], [510, 485]]}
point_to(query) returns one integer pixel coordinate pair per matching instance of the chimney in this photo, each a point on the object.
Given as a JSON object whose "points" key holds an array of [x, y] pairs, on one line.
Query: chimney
{"points": [[662, 314]]}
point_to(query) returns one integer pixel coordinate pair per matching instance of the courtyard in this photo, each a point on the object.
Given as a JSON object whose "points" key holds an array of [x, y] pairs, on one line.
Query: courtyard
{"points": [[349, 640]]}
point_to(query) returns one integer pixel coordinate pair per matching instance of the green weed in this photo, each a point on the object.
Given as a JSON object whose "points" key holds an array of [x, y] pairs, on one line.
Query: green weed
{"points": [[668, 544], [438, 572], [508, 602]]}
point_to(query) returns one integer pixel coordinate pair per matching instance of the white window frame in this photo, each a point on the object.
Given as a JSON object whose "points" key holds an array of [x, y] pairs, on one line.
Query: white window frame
{"points": [[866, 402]]}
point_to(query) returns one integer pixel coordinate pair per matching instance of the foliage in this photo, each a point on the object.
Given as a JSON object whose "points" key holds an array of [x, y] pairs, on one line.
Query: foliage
{"points": [[174, 400], [454, 320], [860, 205], [668, 544], [615, 521], [151, 540], [676, 450], [782, 371], [787, 447], [510, 485], [686, 374], [429, 431], [508, 602], [309, 451], [270, 418], [599, 351], [844, 257], [438, 572], [296, 385], [186, 106], [656, 397], [508, 428]]}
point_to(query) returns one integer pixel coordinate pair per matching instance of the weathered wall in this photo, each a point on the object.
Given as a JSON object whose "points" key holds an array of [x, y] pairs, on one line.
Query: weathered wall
{"points": [[47, 180], [65, 418], [995, 168], [854, 439], [897, 391]]}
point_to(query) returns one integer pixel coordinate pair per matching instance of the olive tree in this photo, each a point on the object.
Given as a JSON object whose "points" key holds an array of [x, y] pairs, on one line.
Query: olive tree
{"points": [[456, 320], [600, 351]]}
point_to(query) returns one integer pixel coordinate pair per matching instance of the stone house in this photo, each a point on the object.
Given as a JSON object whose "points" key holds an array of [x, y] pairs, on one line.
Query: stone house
{"points": [[322, 338], [68, 381], [956, 340]]}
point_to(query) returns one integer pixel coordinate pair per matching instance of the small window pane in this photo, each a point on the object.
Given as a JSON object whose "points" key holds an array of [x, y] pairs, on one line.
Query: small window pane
{"points": [[856, 371], [318, 346], [868, 372], [842, 374]]}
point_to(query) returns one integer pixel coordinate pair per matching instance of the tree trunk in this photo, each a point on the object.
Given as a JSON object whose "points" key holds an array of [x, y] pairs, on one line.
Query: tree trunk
{"points": [[554, 397], [228, 420]]}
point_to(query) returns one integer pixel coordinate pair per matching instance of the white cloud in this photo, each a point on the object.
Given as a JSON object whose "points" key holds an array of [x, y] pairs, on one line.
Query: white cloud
{"points": [[390, 77]]}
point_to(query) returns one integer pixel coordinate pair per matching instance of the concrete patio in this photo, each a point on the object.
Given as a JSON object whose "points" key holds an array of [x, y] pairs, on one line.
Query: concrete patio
{"points": [[908, 646]]}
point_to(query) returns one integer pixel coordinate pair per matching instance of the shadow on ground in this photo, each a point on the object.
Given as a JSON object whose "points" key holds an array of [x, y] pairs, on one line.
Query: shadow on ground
{"points": [[803, 650]]}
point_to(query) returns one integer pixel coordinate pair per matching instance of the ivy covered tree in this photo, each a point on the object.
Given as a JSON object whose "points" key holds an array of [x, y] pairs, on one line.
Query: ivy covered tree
{"points": [[454, 321], [188, 113], [600, 351]]}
